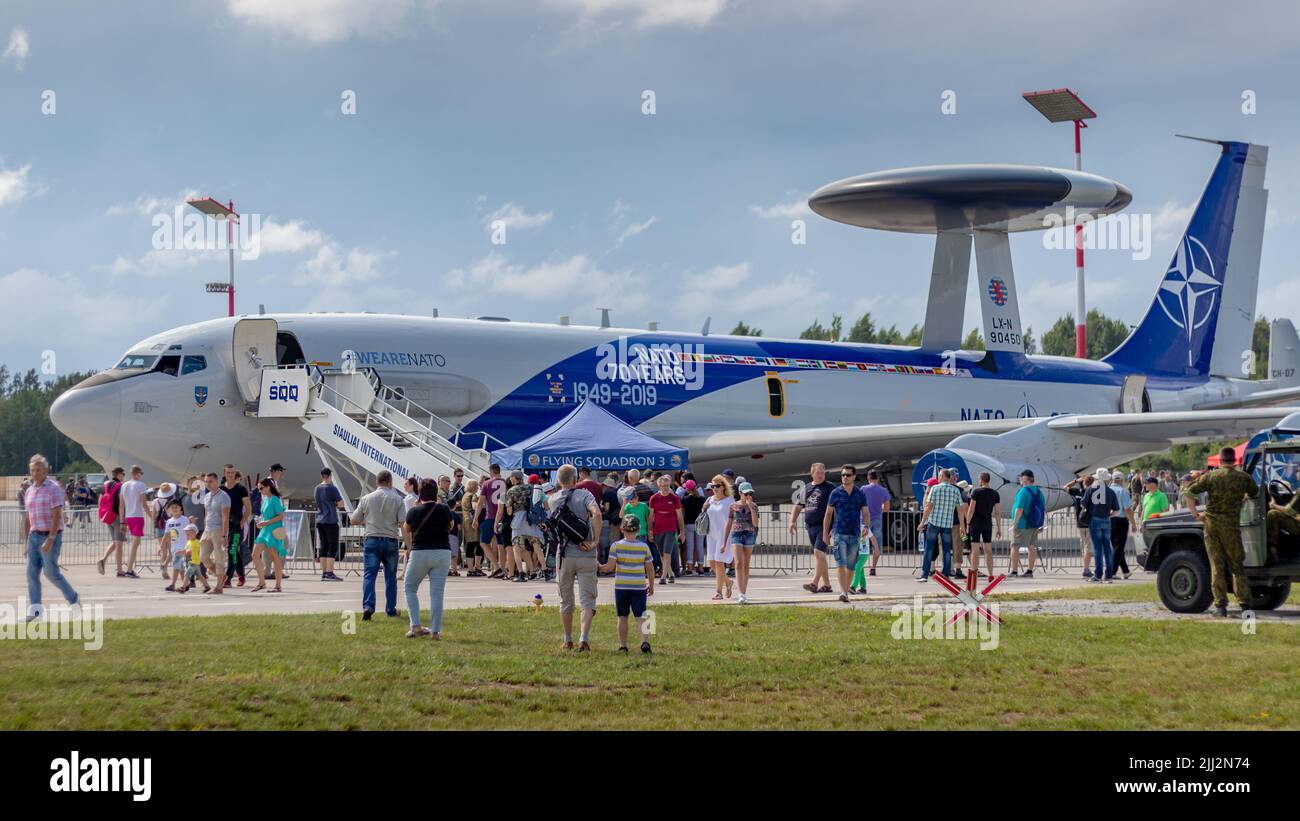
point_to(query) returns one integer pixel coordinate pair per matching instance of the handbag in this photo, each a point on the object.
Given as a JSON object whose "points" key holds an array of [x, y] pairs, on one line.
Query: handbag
{"points": [[702, 522]]}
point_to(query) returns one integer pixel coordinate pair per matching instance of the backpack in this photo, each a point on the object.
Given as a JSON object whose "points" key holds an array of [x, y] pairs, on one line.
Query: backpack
{"points": [[563, 526], [1035, 512], [702, 523], [535, 514], [108, 503]]}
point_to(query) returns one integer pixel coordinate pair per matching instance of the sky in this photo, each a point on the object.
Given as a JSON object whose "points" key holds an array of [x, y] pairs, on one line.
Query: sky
{"points": [[383, 143]]}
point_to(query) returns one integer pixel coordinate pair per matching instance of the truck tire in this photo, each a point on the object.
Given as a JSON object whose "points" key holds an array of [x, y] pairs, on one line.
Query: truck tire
{"points": [[1184, 582], [1269, 598]]}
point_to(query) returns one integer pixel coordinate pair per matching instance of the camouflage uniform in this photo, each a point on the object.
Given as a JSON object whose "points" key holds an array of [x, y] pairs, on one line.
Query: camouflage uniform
{"points": [[1225, 490], [1286, 520]]}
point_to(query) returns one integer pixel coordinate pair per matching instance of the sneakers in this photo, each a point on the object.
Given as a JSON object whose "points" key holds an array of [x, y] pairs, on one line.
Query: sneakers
{"points": [[416, 632], [825, 588], [366, 614], [743, 599], [844, 597], [959, 574], [1087, 574], [871, 572], [923, 579], [645, 647], [1127, 574], [623, 649], [1029, 574], [1094, 580], [130, 574], [1221, 611], [1014, 573]]}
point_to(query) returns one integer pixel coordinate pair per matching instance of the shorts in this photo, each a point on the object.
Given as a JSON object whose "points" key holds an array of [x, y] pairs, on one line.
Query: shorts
{"points": [[472, 550], [329, 540], [194, 571], [743, 538], [845, 548], [981, 532], [210, 551], [485, 531], [1026, 537], [878, 530], [577, 566], [816, 538], [527, 542], [135, 525], [117, 531], [629, 601], [179, 561]]}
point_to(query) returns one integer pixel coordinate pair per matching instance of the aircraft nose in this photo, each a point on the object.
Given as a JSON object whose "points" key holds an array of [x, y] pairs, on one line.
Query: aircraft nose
{"points": [[89, 415]]}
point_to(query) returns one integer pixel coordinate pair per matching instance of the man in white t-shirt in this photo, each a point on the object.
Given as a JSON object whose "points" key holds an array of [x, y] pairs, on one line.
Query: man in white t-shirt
{"points": [[132, 496]]}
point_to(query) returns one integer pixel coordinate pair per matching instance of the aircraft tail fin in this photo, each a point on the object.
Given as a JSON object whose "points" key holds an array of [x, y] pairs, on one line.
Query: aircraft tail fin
{"points": [[1283, 354], [1202, 318]]}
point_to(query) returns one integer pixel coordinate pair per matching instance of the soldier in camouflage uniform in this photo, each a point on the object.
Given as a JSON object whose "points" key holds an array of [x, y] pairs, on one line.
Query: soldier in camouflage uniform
{"points": [[1282, 519], [1226, 489]]}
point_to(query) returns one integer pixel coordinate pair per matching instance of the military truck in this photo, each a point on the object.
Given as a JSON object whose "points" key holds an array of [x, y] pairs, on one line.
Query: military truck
{"points": [[1175, 542]]}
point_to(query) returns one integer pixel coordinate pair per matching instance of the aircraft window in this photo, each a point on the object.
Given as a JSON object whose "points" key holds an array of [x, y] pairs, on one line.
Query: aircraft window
{"points": [[775, 396], [169, 365], [136, 362], [193, 364]]}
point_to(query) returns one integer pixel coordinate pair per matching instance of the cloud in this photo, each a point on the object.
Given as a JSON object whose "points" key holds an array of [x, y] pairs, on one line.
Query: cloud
{"points": [[326, 21], [647, 13], [146, 205], [18, 48], [291, 237], [514, 217], [14, 185], [102, 314], [1169, 222], [794, 209], [332, 266], [633, 230]]}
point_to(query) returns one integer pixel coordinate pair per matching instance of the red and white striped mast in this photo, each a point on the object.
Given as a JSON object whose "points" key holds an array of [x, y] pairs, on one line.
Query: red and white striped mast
{"points": [[1061, 105]]}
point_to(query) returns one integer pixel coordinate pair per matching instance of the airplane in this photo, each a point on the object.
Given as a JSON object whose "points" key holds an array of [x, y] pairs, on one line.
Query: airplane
{"points": [[175, 403]]}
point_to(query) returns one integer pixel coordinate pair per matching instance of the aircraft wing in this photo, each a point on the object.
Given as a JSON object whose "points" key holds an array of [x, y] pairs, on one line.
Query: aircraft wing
{"points": [[1275, 396], [1169, 427], [858, 443]]}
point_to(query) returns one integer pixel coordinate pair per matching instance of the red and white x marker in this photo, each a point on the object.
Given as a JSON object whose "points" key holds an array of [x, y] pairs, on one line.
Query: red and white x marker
{"points": [[971, 600]]}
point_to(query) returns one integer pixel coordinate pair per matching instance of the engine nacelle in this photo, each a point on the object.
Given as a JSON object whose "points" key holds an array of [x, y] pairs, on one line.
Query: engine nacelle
{"points": [[1004, 476]]}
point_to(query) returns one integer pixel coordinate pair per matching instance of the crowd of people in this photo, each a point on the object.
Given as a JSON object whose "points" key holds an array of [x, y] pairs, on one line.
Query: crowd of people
{"points": [[212, 528]]}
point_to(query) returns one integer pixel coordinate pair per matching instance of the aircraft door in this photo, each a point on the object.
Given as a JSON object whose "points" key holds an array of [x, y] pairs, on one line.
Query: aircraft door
{"points": [[1133, 396], [254, 346]]}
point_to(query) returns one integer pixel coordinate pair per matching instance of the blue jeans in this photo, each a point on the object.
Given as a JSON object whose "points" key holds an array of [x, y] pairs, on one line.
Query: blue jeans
{"points": [[1099, 530], [432, 565], [380, 551], [49, 563], [932, 533]]}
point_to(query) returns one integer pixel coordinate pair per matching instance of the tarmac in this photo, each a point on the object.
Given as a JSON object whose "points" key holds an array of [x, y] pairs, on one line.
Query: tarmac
{"points": [[304, 592]]}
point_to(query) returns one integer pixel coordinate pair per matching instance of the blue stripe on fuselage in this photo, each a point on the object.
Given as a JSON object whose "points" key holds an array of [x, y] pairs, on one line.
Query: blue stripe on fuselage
{"points": [[649, 386]]}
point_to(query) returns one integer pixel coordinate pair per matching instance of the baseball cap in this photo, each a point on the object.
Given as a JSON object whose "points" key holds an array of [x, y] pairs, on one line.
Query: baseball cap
{"points": [[326, 472], [746, 487], [190, 527], [689, 484], [277, 466], [631, 522], [729, 473], [548, 487], [1151, 480], [534, 479], [932, 481]]}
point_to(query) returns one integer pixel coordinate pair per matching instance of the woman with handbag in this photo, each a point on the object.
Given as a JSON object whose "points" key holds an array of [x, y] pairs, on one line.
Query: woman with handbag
{"points": [[717, 510], [270, 536], [425, 533]]}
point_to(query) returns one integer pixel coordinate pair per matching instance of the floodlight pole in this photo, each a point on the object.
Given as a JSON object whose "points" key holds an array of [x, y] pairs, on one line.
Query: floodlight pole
{"points": [[230, 243], [1080, 315]]}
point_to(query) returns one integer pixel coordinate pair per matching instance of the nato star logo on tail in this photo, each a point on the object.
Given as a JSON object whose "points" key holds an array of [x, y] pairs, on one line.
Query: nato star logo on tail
{"points": [[1190, 287]]}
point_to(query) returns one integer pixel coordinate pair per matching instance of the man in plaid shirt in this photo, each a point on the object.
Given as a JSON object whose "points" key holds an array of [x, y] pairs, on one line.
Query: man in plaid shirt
{"points": [[937, 519], [43, 532]]}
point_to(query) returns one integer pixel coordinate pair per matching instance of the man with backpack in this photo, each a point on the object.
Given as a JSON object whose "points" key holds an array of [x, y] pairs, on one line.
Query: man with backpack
{"points": [[110, 513], [1027, 515], [523, 505], [573, 510]]}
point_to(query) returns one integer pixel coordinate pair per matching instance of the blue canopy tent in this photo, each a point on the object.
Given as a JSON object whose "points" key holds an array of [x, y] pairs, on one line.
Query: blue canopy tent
{"points": [[591, 437]]}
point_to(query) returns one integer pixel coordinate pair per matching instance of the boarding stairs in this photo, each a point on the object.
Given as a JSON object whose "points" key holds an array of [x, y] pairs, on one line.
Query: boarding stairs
{"points": [[359, 426]]}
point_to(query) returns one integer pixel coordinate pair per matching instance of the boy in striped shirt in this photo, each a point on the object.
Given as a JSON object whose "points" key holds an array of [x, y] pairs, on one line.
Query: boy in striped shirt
{"points": [[634, 578]]}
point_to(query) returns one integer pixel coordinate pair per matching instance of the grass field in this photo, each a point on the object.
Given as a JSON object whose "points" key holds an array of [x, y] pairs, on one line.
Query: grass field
{"points": [[1126, 592], [713, 668]]}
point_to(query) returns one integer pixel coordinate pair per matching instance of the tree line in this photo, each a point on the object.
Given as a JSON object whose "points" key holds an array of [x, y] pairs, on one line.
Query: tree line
{"points": [[1104, 335], [25, 426]]}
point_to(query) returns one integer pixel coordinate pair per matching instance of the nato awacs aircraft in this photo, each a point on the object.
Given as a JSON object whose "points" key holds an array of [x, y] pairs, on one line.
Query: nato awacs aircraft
{"points": [[419, 394]]}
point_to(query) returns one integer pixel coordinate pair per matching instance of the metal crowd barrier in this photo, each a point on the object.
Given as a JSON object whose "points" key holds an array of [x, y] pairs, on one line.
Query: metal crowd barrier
{"points": [[775, 550]]}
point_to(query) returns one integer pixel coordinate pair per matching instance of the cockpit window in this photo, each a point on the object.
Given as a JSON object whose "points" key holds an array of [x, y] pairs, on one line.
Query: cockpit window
{"points": [[193, 364], [169, 365], [136, 362]]}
